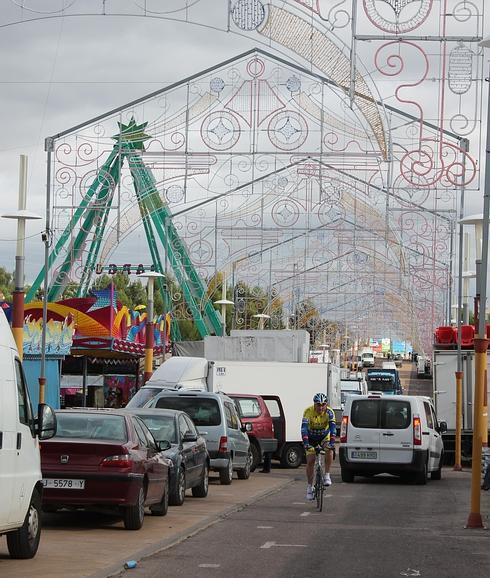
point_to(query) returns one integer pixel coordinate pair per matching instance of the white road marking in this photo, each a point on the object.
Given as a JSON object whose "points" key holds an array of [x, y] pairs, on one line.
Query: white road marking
{"points": [[410, 572], [265, 527], [209, 565], [299, 503], [271, 544], [304, 514]]}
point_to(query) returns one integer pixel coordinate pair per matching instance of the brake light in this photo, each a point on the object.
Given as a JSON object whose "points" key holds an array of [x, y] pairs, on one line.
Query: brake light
{"points": [[121, 461], [417, 431], [223, 445], [343, 429]]}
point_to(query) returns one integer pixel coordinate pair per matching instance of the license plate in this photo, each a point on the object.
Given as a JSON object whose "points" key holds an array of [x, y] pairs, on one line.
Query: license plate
{"points": [[64, 484], [364, 455]]}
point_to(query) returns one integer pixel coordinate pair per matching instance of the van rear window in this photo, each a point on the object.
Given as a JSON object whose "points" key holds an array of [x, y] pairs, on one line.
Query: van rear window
{"points": [[381, 414], [203, 411]]}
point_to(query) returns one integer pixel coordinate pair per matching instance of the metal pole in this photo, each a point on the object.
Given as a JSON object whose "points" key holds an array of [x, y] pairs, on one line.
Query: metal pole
{"points": [[149, 333], [84, 380], [48, 146]]}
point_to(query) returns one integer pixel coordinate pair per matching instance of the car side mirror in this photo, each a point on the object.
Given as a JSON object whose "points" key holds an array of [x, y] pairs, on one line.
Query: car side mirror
{"points": [[46, 422], [163, 445], [246, 427], [442, 426], [189, 437]]}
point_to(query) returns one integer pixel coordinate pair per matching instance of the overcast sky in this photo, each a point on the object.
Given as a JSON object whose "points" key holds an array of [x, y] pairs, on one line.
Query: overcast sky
{"points": [[58, 72]]}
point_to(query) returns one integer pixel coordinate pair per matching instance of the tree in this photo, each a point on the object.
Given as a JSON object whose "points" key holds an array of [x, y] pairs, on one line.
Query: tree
{"points": [[6, 284]]}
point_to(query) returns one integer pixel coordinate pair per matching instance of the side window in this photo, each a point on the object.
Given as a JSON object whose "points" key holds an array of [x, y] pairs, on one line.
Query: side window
{"points": [[428, 415], [150, 440], [231, 416], [183, 427], [140, 434], [190, 426], [247, 407], [24, 403], [273, 407]]}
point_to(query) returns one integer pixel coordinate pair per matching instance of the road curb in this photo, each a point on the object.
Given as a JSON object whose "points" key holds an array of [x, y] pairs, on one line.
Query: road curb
{"points": [[117, 569]]}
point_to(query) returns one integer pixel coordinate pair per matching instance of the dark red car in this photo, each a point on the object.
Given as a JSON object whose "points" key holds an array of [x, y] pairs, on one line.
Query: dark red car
{"points": [[105, 458]]}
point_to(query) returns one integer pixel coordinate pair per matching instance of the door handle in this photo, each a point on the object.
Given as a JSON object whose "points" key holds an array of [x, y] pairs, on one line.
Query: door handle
{"points": [[19, 440], [389, 434]]}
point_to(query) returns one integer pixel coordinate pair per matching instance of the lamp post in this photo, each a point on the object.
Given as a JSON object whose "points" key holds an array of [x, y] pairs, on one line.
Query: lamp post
{"points": [[481, 344], [21, 216], [261, 317], [149, 338]]}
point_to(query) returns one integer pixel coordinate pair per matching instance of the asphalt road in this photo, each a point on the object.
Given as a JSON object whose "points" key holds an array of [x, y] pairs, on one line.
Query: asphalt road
{"points": [[375, 527]]}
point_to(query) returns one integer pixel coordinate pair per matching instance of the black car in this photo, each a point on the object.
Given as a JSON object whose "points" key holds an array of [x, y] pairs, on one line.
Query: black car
{"points": [[188, 451]]}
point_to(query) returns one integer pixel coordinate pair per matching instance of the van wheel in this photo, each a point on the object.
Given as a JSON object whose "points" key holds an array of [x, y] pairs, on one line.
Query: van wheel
{"points": [[255, 457], [244, 473], [292, 456], [347, 476], [161, 509], [23, 543], [177, 495], [135, 515], [437, 475], [421, 475], [226, 474]]}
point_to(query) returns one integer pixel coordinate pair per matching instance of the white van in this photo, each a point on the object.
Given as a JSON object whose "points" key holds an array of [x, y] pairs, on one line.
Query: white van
{"points": [[397, 435], [352, 386], [367, 358], [20, 462]]}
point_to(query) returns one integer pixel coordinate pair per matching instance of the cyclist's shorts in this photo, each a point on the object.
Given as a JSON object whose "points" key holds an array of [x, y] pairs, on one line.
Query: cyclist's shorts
{"points": [[313, 441]]}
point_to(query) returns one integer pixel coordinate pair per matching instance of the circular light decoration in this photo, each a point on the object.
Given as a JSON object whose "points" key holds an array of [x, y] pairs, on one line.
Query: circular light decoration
{"points": [[407, 14], [216, 84], [248, 14], [329, 215], [220, 130], [285, 213], [293, 84], [287, 130], [201, 252]]}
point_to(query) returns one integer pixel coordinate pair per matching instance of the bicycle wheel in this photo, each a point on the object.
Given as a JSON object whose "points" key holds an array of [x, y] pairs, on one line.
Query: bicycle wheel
{"points": [[319, 489]]}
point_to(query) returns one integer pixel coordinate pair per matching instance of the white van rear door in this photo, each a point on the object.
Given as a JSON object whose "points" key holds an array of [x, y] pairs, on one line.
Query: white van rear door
{"points": [[363, 430], [396, 435]]}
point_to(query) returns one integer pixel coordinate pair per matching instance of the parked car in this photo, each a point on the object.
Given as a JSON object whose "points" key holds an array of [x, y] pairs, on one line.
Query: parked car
{"points": [[188, 452], [215, 416], [258, 423], [105, 458], [395, 435]]}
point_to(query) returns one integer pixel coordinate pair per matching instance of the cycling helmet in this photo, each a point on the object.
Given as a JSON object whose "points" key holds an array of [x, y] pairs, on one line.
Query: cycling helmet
{"points": [[320, 398]]}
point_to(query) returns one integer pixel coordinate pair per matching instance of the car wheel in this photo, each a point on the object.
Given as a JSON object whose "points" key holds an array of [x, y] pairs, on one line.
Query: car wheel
{"points": [[437, 475], [292, 456], [23, 543], [201, 491], [177, 496], [347, 476], [421, 475], [226, 474], [135, 515], [255, 457], [161, 509], [244, 473]]}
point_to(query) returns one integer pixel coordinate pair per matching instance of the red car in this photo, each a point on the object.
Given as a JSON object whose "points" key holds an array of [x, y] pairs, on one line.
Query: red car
{"points": [[101, 458]]}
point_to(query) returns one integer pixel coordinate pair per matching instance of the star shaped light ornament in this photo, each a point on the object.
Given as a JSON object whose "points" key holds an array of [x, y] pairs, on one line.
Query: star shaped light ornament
{"points": [[132, 133]]}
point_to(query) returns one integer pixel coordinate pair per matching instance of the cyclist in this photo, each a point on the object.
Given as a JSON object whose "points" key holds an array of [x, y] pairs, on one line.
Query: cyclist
{"points": [[318, 428]]}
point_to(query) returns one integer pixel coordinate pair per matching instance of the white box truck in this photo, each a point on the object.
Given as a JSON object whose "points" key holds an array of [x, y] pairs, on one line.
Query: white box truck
{"points": [[20, 461]]}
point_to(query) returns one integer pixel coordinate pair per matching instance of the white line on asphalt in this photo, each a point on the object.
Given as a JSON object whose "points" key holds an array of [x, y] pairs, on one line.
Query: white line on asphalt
{"points": [[265, 527], [304, 514], [299, 503], [271, 544], [209, 565]]}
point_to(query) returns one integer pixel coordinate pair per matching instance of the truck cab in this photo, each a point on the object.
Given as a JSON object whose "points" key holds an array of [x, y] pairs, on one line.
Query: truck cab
{"points": [[20, 463]]}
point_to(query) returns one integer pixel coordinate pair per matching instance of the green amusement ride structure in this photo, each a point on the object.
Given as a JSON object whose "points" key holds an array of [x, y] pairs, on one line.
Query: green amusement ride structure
{"points": [[90, 220]]}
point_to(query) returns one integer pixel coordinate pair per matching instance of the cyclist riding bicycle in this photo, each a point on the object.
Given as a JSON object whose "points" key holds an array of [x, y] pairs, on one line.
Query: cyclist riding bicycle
{"points": [[318, 428]]}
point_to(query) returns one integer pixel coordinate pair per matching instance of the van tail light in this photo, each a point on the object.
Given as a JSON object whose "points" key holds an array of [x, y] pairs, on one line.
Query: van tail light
{"points": [[223, 445], [417, 431], [121, 461], [343, 429]]}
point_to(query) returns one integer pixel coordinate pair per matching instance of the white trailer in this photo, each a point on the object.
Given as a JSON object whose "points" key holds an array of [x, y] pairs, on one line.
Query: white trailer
{"points": [[294, 384]]}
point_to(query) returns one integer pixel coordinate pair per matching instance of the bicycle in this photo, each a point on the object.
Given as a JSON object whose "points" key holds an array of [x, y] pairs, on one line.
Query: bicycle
{"points": [[319, 473]]}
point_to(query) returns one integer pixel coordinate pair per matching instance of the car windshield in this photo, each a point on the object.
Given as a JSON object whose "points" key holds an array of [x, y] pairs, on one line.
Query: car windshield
{"points": [[94, 427], [143, 396], [203, 411], [161, 426], [381, 383]]}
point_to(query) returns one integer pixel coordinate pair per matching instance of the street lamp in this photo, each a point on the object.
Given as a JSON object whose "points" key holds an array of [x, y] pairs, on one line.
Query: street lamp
{"points": [[224, 303], [481, 344], [261, 317], [22, 215], [149, 338]]}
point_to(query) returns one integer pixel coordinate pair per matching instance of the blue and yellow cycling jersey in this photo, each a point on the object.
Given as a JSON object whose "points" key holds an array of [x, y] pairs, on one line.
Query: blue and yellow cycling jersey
{"points": [[318, 427]]}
